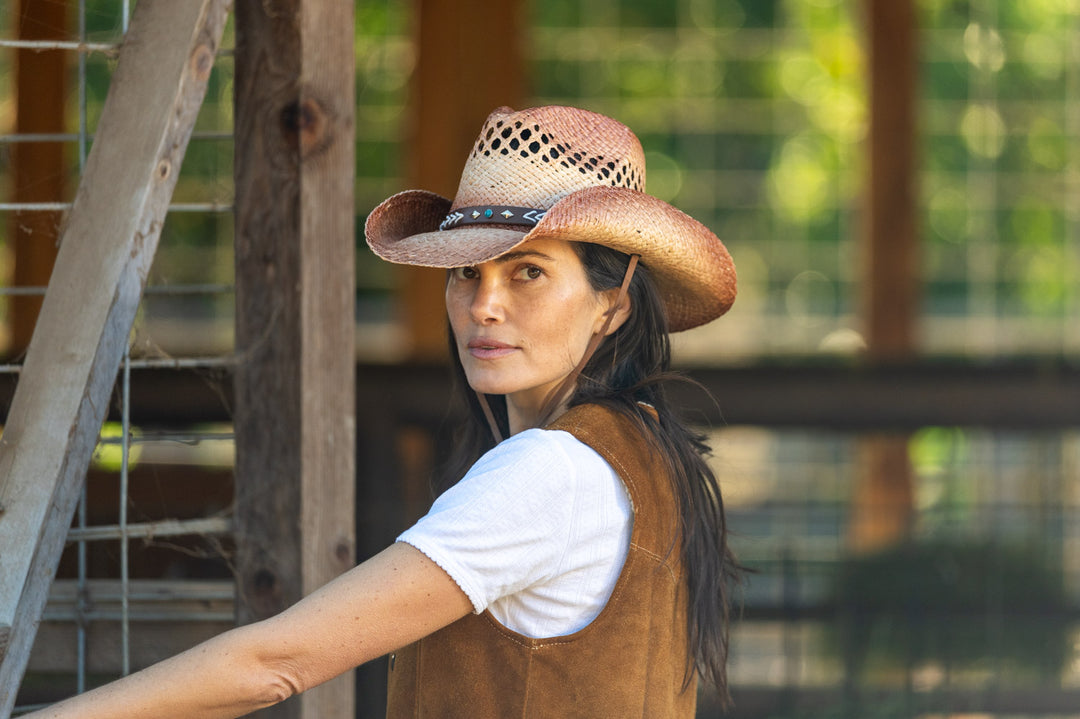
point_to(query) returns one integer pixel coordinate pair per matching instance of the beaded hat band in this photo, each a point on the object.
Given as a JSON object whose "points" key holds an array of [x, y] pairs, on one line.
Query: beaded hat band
{"points": [[492, 214]]}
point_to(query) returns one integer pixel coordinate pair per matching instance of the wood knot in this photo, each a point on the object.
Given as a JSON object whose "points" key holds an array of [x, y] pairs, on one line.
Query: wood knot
{"points": [[343, 552], [305, 125], [264, 582], [164, 168], [202, 61]]}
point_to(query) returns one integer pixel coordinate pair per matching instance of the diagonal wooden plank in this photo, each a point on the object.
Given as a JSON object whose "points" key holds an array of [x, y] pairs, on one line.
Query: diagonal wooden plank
{"points": [[106, 251]]}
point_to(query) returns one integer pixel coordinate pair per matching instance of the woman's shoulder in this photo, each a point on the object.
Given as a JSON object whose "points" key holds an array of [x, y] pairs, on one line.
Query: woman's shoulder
{"points": [[550, 446], [604, 418], [541, 469], [600, 426]]}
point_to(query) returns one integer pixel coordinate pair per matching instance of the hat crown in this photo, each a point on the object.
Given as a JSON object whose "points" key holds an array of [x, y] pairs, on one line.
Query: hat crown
{"points": [[533, 158]]}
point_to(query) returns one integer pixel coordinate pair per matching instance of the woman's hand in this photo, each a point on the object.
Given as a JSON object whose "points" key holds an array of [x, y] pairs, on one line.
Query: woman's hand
{"points": [[393, 599]]}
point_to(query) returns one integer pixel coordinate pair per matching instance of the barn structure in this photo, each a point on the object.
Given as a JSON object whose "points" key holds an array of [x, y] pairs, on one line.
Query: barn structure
{"points": [[897, 390]]}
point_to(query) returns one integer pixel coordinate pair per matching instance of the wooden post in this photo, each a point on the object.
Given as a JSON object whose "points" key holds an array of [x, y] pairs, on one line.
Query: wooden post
{"points": [[295, 413], [37, 167], [111, 234], [470, 62], [891, 279], [883, 504]]}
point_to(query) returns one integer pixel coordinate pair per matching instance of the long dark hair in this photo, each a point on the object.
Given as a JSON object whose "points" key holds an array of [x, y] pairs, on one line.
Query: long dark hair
{"points": [[630, 367]]}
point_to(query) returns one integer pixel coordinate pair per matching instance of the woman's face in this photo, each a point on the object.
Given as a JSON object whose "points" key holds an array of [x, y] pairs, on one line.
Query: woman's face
{"points": [[522, 321]]}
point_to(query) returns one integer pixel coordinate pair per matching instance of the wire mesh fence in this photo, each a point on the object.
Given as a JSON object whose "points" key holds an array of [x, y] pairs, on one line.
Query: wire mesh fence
{"points": [[976, 612], [128, 557]]}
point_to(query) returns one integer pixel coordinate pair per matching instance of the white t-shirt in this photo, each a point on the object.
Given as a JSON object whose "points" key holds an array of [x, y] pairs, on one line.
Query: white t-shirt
{"points": [[537, 532]]}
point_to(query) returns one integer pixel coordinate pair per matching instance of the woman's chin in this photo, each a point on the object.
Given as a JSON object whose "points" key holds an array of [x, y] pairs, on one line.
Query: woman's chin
{"points": [[490, 381], [489, 388]]}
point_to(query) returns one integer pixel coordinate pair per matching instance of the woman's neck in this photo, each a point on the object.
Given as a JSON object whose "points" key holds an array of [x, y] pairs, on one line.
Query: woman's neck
{"points": [[526, 415]]}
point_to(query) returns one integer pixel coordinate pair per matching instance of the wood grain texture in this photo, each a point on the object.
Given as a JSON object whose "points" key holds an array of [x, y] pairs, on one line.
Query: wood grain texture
{"points": [[107, 247], [295, 288]]}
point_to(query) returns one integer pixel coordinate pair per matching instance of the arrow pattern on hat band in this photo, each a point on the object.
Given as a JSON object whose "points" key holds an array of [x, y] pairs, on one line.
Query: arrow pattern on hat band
{"points": [[493, 214], [452, 219]]}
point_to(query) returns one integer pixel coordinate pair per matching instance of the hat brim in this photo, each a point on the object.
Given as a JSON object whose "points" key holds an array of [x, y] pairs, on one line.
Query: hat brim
{"points": [[404, 229], [690, 265]]}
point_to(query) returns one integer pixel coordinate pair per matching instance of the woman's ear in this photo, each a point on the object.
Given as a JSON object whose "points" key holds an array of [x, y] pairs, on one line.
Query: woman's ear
{"points": [[621, 310]]}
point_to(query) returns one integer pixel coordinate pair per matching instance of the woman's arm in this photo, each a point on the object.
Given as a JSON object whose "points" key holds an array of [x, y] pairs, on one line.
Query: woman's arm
{"points": [[391, 600]]}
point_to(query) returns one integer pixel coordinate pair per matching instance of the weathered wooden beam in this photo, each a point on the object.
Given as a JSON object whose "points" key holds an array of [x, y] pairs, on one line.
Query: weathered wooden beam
{"points": [[1011, 395], [1019, 396], [295, 288], [109, 241]]}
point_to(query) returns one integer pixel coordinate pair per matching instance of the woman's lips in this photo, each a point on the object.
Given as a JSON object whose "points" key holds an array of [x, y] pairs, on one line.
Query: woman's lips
{"points": [[489, 349]]}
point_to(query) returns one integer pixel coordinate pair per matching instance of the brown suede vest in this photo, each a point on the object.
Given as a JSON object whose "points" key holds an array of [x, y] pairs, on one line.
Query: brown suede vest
{"points": [[629, 662]]}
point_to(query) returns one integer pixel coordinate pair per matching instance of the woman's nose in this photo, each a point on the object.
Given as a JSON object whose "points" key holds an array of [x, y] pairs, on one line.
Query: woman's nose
{"points": [[488, 304]]}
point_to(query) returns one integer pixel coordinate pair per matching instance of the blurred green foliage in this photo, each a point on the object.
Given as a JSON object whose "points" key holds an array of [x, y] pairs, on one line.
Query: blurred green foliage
{"points": [[752, 115]]}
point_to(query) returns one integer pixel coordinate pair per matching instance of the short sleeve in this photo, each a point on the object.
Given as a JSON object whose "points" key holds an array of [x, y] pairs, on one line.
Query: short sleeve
{"points": [[507, 524]]}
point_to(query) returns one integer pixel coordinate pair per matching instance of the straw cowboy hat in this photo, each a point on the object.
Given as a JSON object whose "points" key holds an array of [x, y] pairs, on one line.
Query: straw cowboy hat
{"points": [[559, 173]]}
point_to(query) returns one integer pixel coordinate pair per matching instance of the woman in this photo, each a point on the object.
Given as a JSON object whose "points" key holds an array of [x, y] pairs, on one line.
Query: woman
{"points": [[580, 566]]}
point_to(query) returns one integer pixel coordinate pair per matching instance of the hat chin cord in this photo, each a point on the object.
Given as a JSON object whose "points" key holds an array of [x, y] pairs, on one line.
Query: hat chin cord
{"points": [[564, 388]]}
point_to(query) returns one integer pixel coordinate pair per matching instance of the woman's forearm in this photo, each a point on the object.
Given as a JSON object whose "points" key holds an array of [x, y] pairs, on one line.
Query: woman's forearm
{"points": [[390, 600], [222, 677]]}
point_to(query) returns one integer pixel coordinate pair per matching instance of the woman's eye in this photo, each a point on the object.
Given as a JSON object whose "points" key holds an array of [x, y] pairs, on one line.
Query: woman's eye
{"points": [[465, 273], [530, 272]]}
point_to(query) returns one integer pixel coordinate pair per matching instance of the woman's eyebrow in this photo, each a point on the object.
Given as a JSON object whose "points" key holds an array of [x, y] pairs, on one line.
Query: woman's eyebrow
{"points": [[522, 254]]}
